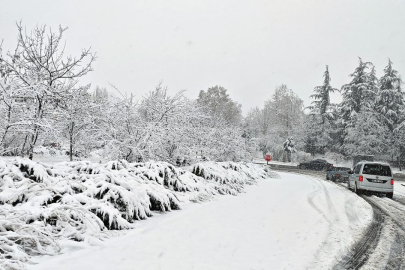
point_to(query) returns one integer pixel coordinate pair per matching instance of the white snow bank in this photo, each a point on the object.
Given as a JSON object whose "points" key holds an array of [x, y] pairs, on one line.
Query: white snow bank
{"points": [[230, 177], [43, 204], [294, 222]]}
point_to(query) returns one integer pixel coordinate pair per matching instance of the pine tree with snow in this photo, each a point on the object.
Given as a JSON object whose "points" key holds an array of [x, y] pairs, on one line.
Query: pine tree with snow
{"points": [[321, 104], [391, 105], [319, 125], [359, 96], [390, 97], [367, 135], [360, 93]]}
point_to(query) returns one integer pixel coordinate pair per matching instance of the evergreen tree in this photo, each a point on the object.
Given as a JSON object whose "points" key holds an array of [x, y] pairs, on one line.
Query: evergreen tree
{"points": [[320, 121], [360, 93], [321, 104], [359, 96], [366, 136], [390, 97], [317, 137], [391, 105]]}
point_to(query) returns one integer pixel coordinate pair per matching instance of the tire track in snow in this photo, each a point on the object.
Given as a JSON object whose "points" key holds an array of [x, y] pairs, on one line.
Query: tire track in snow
{"points": [[329, 213], [359, 253], [388, 207], [330, 204], [361, 250], [350, 212], [396, 257], [311, 198]]}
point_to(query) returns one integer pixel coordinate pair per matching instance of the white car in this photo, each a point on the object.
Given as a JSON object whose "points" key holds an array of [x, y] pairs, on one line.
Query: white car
{"points": [[372, 176]]}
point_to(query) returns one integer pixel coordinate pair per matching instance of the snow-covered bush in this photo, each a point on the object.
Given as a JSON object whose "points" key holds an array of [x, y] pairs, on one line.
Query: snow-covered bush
{"points": [[301, 156], [230, 177], [82, 201]]}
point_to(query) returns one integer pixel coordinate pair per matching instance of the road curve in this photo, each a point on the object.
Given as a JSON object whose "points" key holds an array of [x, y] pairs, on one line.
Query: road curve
{"points": [[383, 244]]}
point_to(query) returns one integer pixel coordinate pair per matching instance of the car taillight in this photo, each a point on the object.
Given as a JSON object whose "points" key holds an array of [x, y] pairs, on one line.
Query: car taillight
{"points": [[361, 178], [392, 181]]}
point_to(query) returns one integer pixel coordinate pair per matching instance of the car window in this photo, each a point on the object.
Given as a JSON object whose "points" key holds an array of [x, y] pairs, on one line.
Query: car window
{"points": [[377, 169], [357, 169]]}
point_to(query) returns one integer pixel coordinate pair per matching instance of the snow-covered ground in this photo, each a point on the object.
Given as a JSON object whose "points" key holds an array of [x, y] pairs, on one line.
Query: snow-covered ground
{"points": [[399, 188], [274, 162], [294, 222]]}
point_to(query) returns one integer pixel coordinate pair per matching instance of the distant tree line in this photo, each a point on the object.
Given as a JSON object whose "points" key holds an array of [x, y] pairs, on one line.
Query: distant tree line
{"points": [[369, 120], [43, 104]]}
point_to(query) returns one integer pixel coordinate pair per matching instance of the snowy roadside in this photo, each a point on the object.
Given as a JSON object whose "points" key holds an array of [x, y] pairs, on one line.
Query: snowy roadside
{"points": [[47, 208], [292, 222]]}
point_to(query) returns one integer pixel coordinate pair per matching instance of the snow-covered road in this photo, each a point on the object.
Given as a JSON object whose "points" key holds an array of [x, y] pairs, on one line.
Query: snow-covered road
{"points": [[295, 222]]}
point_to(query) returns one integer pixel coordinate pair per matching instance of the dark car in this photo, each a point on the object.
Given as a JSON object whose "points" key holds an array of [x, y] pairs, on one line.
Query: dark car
{"points": [[316, 164], [337, 173]]}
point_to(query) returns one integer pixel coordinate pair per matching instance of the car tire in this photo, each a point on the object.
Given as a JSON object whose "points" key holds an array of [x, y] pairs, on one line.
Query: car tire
{"points": [[327, 178], [356, 190], [390, 195]]}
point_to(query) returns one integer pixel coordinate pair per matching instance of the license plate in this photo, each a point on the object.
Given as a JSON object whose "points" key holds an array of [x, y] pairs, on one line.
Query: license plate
{"points": [[378, 181]]}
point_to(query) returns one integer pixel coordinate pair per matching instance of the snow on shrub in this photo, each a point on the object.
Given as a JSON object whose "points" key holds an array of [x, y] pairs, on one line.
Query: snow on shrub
{"points": [[83, 201], [230, 177]]}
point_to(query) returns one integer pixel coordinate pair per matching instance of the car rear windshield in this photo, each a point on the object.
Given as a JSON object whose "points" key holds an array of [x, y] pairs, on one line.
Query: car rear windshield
{"points": [[342, 169], [377, 169]]}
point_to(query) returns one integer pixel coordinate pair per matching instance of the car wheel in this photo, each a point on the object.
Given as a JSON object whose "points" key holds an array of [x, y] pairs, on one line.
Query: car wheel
{"points": [[348, 185], [390, 195], [327, 177], [356, 190]]}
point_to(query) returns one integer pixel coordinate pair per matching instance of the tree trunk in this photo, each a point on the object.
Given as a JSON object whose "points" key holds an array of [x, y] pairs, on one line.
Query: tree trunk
{"points": [[71, 141], [71, 150]]}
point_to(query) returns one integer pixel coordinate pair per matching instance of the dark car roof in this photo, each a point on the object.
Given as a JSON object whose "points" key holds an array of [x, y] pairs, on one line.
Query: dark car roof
{"points": [[320, 160], [342, 168]]}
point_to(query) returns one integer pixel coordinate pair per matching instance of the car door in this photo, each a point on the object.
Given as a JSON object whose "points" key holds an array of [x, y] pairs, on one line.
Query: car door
{"points": [[329, 172], [317, 165], [356, 174]]}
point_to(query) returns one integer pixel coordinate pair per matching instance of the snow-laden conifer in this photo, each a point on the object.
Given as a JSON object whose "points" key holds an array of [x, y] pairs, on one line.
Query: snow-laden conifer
{"points": [[321, 105], [360, 93], [390, 96]]}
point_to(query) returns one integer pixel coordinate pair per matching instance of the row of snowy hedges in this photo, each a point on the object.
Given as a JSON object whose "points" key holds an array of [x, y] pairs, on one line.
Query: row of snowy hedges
{"points": [[41, 204]]}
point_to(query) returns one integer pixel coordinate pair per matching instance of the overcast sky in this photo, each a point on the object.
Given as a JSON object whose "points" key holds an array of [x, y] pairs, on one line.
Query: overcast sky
{"points": [[248, 46]]}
